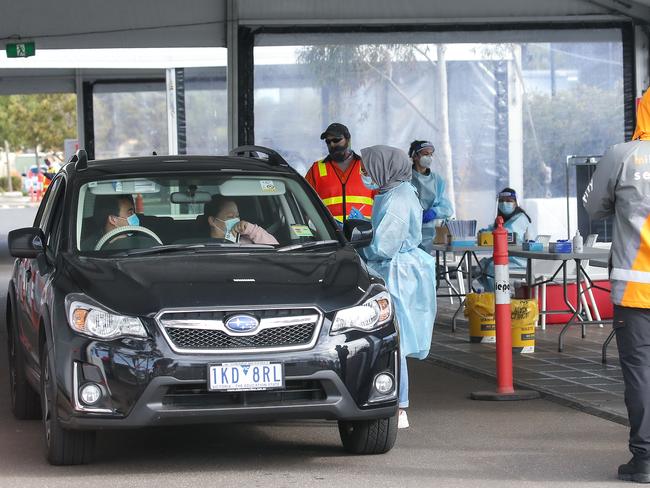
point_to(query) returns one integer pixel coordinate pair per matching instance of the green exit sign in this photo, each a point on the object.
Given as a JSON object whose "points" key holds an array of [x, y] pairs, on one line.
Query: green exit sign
{"points": [[21, 50]]}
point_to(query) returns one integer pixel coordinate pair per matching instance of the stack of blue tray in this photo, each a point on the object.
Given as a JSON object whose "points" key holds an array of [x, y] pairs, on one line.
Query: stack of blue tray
{"points": [[560, 246]]}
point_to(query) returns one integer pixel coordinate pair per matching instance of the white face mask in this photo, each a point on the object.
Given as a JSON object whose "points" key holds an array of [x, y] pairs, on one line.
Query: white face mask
{"points": [[426, 161]]}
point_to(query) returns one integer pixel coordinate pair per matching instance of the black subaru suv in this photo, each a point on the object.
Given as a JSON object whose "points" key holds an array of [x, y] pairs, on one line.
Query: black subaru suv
{"points": [[125, 310]]}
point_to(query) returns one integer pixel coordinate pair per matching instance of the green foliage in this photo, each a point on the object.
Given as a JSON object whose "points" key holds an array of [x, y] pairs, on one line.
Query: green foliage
{"points": [[16, 183], [581, 121], [352, 66], [27, 121], [131, 123]]}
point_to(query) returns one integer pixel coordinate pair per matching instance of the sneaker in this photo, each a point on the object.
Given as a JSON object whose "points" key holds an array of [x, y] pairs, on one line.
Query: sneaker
{"points": [[636, 469], [402, 420]]}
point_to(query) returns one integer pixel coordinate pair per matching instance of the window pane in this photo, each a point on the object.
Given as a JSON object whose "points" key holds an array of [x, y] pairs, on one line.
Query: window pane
{"points": [[206, 109], [198, 209], [505, 112], [130, 120]]}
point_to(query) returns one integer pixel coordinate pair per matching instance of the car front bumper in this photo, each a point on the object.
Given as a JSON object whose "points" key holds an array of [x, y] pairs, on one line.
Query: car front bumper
{"points": [[147, 384]]}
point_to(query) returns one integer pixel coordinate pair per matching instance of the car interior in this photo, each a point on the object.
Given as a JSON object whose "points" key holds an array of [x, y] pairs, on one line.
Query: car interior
{"points": [[178, 217]]}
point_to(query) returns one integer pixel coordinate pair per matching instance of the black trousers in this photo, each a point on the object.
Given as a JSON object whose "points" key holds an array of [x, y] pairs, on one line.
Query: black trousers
{"points": [[632, 326]]}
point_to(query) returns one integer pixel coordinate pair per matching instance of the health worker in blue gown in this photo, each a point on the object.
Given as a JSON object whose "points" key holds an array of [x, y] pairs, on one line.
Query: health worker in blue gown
{"points": [[431, 191], [516, 220], [409, 272]]}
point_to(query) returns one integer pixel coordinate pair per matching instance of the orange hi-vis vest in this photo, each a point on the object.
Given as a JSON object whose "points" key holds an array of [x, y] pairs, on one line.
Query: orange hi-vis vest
{"points": [[340, 191]]}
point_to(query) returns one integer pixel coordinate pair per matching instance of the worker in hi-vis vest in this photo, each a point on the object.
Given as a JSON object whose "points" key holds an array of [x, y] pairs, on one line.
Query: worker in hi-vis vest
{"points": [[620, 188], [337, 177]]}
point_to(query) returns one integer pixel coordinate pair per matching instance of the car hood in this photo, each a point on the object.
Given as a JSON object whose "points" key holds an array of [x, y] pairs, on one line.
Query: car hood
{"points": [[144, 285]]}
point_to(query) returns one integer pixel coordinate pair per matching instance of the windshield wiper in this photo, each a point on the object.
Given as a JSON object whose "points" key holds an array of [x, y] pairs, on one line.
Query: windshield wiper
{"points": [[233, 245], [305, 245], [161, 249]]}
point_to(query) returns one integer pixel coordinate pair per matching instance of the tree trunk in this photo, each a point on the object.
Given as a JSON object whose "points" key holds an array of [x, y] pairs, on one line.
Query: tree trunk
{"points": [[443, 144], [9, 182]]}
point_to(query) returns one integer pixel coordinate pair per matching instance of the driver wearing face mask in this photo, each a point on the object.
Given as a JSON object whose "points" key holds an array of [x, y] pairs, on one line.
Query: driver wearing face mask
{"points": [[225, 225], [111, 212], [337, 177], [431, 191], [124, 214]]}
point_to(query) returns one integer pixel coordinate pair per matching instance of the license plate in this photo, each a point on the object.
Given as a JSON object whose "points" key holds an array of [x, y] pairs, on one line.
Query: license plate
{"points": [[258, 375]]}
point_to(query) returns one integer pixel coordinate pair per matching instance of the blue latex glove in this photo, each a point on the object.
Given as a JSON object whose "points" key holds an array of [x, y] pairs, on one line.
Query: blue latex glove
{"points": [[428, 216], [355, 213]]}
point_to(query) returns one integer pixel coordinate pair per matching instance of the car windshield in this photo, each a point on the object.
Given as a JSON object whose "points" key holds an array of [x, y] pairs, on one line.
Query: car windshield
{"points": [[196, 212]]}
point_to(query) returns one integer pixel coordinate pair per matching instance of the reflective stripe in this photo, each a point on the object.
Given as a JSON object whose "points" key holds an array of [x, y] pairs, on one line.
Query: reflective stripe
{"points": [[355, 199], [322, 168], [348, 199], [332, 200], [630, 275]]}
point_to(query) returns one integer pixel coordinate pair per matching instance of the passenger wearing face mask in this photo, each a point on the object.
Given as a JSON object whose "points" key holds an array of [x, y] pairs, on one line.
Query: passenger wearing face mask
{"points": [[516, 220], [225, 225], [337, 177], [431, 191]]}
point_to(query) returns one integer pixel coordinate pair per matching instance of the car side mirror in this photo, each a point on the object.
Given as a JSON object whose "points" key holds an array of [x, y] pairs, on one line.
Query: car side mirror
{"points": [[358, 232], [27, 242]]}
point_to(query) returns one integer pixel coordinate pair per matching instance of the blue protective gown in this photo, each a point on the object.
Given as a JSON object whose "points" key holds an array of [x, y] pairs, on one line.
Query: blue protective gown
{"points": [[519, 223], [409, 272], [432, 192]]}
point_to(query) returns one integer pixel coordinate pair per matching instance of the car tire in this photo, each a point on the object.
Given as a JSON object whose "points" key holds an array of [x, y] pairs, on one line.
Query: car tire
{"points": [[25, 403], [375, 436], [62, 446]]}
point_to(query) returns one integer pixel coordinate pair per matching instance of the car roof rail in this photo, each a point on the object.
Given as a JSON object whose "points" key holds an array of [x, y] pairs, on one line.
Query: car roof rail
{"points": [[274, 157], [81, 160]]}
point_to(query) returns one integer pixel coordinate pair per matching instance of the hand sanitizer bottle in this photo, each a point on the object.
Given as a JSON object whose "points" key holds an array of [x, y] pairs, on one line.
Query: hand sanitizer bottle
{"points": [[577, 242]]}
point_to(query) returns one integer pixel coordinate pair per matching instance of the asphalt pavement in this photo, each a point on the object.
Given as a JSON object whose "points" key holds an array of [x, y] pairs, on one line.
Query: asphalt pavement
{"points": [[453, 442]]}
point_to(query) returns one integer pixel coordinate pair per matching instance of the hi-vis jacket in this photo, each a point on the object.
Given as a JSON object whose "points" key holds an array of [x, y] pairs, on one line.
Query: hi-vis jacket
{"points": [[341, 191], [621, 187]]}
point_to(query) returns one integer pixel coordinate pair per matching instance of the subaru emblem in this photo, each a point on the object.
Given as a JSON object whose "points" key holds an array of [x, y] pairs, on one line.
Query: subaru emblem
{"points": [[242, 323]]}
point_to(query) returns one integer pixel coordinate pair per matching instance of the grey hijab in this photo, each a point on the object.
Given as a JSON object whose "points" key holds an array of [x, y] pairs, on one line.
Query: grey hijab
{"points": [[388, 166]]}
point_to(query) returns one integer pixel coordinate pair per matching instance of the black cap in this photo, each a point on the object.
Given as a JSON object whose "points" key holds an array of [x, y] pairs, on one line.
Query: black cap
{"points": [[336, 130]]}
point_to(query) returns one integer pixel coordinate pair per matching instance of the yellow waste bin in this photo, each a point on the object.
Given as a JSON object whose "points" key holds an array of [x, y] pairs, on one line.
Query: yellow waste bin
{"points": [[479, 309], [523, 313]]}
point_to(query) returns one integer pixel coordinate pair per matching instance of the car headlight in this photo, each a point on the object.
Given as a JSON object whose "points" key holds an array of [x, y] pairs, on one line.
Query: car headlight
{"points": [[370, 315], [94, 321]]}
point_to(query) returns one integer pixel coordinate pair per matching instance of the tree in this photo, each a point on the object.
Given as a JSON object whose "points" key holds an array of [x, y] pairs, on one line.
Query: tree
{"points": [[592, 116], [33, 121], [130, 124]]}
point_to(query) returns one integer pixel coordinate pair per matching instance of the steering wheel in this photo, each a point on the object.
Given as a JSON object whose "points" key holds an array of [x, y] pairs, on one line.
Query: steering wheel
{"points": [[126, 230]]}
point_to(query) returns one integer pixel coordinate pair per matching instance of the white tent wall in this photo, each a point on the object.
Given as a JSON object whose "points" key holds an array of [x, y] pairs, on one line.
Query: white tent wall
{"points": [[80, 24], [69, 24], [300, 12]]}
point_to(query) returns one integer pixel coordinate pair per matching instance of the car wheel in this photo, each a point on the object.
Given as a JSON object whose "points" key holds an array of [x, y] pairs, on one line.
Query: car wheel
{"points": [[63, 447], [25, 403], [375, 436]]}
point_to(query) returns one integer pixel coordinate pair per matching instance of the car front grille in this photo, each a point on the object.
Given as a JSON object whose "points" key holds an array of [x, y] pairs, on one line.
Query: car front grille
{"points": [[292, 335], [295, 392], [204, 331]]}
